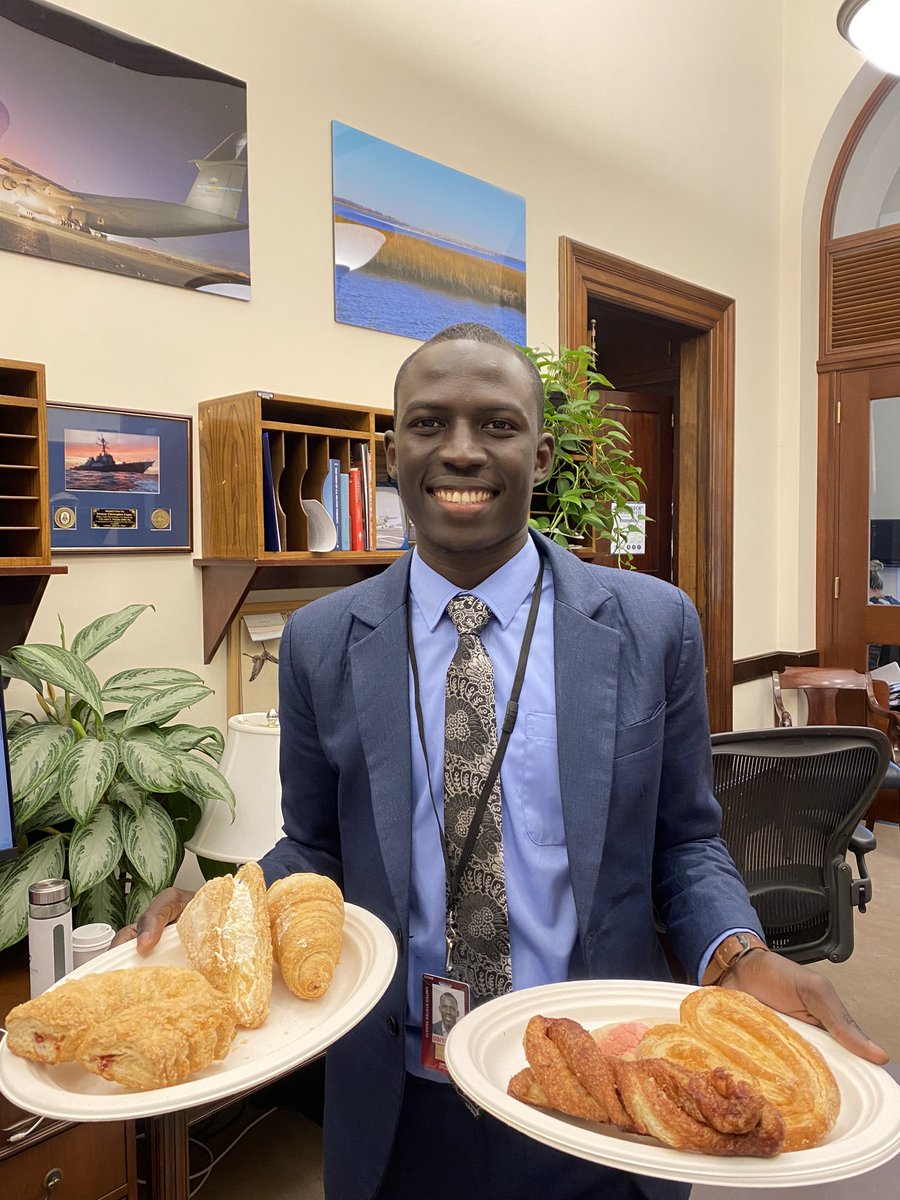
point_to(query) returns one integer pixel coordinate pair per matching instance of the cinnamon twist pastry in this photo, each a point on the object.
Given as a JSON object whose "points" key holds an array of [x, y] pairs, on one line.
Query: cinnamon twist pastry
{"points": [[721, 1027], [704, 1111]]}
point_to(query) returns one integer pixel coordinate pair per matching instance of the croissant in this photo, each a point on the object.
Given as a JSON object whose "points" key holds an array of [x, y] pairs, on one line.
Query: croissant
{"points": [[107, 1020], [709, 1112], [722, 1027], [307, 918], [225, 934]]}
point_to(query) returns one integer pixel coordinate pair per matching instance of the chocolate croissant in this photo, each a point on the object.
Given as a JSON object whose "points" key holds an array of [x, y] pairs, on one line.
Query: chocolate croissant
{"points": [[307, 919]]}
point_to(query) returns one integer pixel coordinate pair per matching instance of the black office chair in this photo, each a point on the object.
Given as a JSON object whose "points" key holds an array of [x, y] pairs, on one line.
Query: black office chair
{"points": [[791, 801]]}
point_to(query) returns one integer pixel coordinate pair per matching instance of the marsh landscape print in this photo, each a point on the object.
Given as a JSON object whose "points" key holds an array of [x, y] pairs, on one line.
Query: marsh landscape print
{"points": [[419, 245]]}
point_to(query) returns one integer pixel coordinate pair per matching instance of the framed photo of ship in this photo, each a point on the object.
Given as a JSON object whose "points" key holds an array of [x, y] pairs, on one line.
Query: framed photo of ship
{"points": [[118, 480]]}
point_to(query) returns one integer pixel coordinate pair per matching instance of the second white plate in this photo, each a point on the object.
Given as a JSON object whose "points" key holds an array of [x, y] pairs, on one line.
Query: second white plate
{"points": [[485, 1050]]}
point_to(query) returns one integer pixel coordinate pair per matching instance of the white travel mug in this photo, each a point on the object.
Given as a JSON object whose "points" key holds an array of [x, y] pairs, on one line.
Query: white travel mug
{"points": [[49, 932], [90, 940]]}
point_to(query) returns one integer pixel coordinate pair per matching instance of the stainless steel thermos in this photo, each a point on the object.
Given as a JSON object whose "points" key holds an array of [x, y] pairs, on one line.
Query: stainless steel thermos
{"points": [[49, 932]]}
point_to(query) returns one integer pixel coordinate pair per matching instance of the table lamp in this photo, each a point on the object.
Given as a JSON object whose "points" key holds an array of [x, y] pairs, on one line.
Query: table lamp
{"points": [[250, 764]]}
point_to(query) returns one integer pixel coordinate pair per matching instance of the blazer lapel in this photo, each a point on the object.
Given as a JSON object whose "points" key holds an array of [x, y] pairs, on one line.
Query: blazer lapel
{"points": [[586, 661], [378, 669]]}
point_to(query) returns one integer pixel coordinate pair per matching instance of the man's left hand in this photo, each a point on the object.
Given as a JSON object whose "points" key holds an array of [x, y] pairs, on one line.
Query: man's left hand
{"points": [[801, 993]]}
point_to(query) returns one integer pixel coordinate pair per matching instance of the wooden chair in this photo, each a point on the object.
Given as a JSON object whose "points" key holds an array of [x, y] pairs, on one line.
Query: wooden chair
{"points": [[824, 688]]}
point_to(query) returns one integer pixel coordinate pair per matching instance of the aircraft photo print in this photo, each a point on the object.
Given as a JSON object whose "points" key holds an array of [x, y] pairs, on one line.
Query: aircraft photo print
{"points": [[120, 156]]}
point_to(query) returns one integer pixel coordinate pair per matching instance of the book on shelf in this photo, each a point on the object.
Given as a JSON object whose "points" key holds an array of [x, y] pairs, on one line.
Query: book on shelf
{"points": [[344, 514], [357, 528], [362, 459], [271, 533]]}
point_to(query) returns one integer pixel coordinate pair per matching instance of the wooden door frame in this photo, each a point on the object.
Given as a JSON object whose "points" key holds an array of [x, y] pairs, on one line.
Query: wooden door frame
{"points": [[705, 444]]}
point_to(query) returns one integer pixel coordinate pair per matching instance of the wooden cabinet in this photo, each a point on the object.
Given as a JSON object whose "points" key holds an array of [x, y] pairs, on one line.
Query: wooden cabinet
{"points": [[95, 1161], [24, 503], [303, 435]]}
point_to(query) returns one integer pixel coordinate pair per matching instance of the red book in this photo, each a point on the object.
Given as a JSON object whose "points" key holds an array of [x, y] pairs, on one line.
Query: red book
{"points": [[357, 533]]}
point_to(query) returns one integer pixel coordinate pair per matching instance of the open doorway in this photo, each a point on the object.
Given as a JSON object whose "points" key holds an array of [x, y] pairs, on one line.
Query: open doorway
{"points": [[663, 337]]}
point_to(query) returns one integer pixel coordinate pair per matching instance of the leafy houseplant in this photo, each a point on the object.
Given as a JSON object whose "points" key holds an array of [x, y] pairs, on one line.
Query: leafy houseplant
{"points": [[594, 479], [105, 790]]}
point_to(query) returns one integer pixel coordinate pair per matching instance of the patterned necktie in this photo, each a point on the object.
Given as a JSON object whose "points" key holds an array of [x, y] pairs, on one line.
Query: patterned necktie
{"points": [[470, 741]]}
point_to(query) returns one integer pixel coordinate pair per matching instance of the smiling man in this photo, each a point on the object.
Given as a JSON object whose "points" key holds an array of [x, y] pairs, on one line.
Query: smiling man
{"points": [[503, 753]]}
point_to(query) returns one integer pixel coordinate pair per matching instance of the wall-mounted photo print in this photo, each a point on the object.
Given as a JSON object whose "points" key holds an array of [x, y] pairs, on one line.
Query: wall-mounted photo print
{"points": [[117, 155], [418, 245], [111, 462]]}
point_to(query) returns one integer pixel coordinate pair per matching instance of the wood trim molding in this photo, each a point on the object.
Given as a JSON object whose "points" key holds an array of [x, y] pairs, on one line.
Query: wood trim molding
{"points": [[706, 440], [761, 666]]}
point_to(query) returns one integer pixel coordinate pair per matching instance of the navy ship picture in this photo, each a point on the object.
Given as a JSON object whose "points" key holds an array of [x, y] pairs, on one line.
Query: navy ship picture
{"points": [[104, 461]]}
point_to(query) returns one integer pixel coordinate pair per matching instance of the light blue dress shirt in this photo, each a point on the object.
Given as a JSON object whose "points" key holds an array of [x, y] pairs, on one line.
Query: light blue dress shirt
{"points": [[543, 925]]}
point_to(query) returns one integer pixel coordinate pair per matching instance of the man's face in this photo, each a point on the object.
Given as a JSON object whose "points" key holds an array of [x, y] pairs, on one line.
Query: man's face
{"points": [[449, 1010], [466, 451]]}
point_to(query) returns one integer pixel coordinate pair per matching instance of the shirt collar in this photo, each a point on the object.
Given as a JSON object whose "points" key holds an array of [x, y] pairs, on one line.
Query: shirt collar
{"points": [[504, 592]]}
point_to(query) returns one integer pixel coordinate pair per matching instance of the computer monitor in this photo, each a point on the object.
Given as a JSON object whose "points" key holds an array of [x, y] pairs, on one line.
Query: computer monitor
{"points": [[7, 833]]}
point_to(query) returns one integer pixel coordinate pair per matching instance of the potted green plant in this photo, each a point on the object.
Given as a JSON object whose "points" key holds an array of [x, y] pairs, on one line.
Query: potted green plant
{"points": [[594, 480], [105, 789]]}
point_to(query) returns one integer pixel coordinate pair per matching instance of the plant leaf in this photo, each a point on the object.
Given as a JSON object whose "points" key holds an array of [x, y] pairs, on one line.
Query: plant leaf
{"points": [[62, 668], [104, 631], [14, 716], [85, 774], [94, 850], [161, 706], [51, 812], [127, 792], [202, 781], [151, 677], [46, 859], [36, 753], [103, 902], [152, 767], [137, 900], [191, 737], [150, 843], [36, 800], [14, 670]]}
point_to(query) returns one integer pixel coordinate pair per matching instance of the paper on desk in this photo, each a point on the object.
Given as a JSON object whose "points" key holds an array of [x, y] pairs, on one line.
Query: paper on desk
{"points": [[890, 672], [263, 627]]}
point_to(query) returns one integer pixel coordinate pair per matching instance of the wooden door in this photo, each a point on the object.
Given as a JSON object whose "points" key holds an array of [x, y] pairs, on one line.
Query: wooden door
{"points": [[648, 419], [866, 452]]}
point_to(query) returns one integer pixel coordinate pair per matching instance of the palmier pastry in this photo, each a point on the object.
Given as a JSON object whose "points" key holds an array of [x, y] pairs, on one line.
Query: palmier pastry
{"points": [[709, 1112], [53, 1027], [225, 934], [307, 916], [721, 1027]]}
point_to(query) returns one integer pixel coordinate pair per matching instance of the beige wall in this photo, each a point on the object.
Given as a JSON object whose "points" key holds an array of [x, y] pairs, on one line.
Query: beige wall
{"points": [[680, 136]]}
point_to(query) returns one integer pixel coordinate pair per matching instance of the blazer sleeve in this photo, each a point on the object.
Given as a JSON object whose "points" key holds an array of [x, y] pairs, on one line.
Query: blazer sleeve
{"points": [[698, 892], [308, 781]]}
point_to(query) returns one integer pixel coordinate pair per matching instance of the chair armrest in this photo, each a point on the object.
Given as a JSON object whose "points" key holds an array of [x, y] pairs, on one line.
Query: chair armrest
{"points": [[862, 842], [782, 716], [887, 714]]}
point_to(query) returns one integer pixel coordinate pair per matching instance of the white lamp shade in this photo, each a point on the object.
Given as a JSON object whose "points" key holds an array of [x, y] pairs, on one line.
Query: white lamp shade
{"points": [[250, 764], [873, 27]]}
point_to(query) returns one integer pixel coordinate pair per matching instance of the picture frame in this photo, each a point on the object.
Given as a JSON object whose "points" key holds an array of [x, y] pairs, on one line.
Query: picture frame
{"points": [[253, 666], [119, 480]]}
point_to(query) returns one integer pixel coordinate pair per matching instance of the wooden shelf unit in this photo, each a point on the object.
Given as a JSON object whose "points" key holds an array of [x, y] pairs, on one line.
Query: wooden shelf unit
{"points": [[303, 435]]}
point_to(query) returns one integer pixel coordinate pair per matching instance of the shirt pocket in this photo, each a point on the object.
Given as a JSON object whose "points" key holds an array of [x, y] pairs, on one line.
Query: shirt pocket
{"points": [[541, 804]]}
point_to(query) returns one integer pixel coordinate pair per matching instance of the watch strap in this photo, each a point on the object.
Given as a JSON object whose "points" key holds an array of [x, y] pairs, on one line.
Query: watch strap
{"points": [[727, 955]]}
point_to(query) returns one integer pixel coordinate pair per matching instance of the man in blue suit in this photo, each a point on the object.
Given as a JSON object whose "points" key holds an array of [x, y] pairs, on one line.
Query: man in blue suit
{"points": [[609, 825]]}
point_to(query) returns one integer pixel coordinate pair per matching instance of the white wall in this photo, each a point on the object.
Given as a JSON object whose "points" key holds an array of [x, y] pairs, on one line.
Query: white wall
{"points": [[675, 135]]}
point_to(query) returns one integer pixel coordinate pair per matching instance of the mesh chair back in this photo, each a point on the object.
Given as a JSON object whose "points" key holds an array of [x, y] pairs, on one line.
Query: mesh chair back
{"points": [[791, 799]]}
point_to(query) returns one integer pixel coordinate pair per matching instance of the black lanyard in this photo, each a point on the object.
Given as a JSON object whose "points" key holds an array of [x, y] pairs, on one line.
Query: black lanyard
{"points": [[509, 721]]}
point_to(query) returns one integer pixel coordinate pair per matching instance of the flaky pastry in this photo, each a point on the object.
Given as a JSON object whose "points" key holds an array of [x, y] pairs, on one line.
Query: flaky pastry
{"points": [[709, 1112], [307, 919], [225, 934], [722, 1027], [112, 1019]]}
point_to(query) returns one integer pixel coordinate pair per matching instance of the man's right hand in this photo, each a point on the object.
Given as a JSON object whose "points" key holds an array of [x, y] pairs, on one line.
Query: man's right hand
{"points": [[163, 910]]}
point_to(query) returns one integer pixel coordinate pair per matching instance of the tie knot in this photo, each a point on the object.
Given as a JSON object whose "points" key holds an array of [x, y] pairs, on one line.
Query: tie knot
{"points": [[468, 614]]}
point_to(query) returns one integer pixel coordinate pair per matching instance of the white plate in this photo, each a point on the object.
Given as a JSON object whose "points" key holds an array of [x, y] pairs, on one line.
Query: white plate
{"points": [[295, 1032], [484, 1050]]}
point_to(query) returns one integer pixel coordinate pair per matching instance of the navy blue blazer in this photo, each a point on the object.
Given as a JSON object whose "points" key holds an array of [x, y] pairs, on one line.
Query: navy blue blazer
{"points": [[640, 818]]}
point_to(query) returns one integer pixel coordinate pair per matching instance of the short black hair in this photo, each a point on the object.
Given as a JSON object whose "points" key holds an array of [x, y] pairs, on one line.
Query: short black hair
{"points": [[470, 331]]}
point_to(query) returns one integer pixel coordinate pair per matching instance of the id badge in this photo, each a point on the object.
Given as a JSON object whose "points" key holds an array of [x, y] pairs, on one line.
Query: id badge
{"points": [[444, 1002]]}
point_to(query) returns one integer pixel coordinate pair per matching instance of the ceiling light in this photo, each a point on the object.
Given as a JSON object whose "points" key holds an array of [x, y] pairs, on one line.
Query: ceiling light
{"points": [[873, 27]]}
